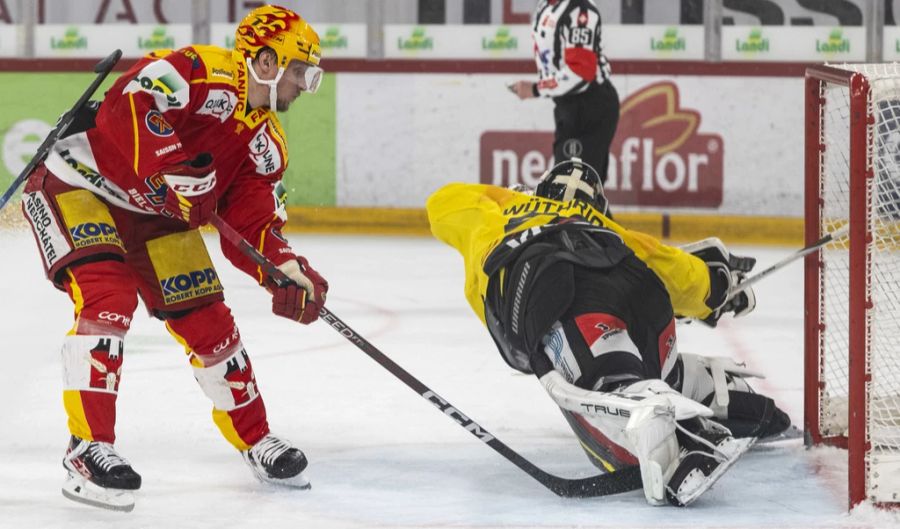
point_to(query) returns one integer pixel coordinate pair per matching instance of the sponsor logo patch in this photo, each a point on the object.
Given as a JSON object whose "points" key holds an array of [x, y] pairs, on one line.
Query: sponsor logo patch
{"points": [[51, 241], [158, 125], [240, 378], [106, 364], [659, 156], [191, 285], [264, 153], [219, 104], [93, 233]]}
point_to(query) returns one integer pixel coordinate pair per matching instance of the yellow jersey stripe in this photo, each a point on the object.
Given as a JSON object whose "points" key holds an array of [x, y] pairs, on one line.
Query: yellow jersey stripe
{"points": [[134, 123]]}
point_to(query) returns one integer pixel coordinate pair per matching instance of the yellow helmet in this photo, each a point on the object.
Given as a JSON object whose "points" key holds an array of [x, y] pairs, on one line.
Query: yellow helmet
{"points": [[281, 29]]}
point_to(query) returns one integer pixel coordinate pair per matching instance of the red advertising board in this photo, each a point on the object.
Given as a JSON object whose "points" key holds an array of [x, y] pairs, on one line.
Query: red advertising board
{"points": [[658, 157]]}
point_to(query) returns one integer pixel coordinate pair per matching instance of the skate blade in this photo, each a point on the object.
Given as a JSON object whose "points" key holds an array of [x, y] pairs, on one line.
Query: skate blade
{"points": [[83, 491], [738, 449], [297, 482]]}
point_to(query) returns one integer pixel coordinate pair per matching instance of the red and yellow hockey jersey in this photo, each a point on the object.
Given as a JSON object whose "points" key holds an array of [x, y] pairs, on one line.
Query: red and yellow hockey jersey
{"points": [[476, 218], [168, 108]]}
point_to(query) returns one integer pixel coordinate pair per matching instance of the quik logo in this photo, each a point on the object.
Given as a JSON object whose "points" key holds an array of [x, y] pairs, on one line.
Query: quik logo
{"points": [[191, 285], [264, 153], [106, 364], [658, 156], [158, 125], [219, 104], [92, 233], [240, 378]]}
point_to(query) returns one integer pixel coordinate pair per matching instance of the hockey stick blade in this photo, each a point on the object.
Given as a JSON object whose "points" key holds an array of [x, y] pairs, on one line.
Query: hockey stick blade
{"points": [[803, 252], [102, 69], [625, 480]]}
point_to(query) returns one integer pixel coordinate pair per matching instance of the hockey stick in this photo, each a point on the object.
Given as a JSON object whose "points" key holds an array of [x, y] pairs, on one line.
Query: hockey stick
{"points": [[756, 278], [102, 69], [624, 480]]}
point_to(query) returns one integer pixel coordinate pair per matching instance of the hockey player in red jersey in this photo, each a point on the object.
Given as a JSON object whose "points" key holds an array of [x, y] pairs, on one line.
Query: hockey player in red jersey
{"points": [[115, 210]]}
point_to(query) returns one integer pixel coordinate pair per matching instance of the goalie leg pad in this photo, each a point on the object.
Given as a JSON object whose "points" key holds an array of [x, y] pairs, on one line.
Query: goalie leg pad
{"points": [[721, 384]]}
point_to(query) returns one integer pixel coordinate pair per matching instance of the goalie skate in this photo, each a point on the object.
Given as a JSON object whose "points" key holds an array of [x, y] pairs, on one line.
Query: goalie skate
{"points": [[78, 488], [705, 458], [275, 461]]}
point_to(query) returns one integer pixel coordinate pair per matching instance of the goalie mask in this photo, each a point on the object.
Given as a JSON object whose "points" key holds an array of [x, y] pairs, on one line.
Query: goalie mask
{"points": [[573, 179]]}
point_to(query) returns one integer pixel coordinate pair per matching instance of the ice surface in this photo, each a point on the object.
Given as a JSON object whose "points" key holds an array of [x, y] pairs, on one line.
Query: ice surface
{"points": [[380, 456]]}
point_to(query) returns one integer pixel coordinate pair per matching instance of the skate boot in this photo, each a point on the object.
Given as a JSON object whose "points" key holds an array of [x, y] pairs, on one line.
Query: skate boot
{"points": [[707, 451], [99, 476], [274, 460]]}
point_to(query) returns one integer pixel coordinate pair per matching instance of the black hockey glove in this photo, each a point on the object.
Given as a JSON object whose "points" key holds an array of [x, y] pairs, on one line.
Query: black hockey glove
{"points": [[726, 271]]}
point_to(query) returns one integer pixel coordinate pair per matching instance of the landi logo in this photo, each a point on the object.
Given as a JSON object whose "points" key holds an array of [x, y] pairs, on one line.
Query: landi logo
{"points": [[835, 44], [755, 43], [502, 40], [71, 40], [658, 157], [157, 40], [333, 39], [670, 42], [417, 41]]}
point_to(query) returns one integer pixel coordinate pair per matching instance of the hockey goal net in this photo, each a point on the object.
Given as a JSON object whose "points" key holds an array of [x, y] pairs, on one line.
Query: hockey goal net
{"points": [[852, 286]]}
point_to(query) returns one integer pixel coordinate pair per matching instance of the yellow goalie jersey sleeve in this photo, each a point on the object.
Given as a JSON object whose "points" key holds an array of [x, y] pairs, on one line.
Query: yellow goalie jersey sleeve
{"points": [[475, 218]]}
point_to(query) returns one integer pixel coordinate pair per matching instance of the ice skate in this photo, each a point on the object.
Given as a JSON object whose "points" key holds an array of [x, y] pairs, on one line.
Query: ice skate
{"points": [[275, 461], [99, 476], [707, 453]]}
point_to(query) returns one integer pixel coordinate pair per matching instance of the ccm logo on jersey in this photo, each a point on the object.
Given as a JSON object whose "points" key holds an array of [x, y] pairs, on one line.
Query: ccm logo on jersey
{"points": [[158, 125], [219, 104]]}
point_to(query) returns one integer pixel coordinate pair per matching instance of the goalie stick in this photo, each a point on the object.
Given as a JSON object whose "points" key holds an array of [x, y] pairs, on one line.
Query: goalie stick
{"points": [[102, 69], [625, 480], [803, 252]]}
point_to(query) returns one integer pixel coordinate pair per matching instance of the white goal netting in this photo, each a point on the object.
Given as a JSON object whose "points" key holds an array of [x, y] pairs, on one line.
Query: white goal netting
{"points": [[881, 272]]}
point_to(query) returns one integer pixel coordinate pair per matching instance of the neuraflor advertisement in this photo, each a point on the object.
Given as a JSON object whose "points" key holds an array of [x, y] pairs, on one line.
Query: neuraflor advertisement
{"points": [[731, 145]]}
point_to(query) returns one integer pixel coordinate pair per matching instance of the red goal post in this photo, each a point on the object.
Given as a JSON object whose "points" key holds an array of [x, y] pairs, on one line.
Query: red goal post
{"points": [[852, 286]]}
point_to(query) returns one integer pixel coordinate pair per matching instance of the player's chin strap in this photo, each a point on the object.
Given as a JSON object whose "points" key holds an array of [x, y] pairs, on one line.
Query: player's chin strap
{"points": [[272, 84]]}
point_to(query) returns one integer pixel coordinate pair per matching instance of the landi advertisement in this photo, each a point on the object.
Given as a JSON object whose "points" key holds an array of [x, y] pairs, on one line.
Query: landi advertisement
{"points": [[730, 145]]}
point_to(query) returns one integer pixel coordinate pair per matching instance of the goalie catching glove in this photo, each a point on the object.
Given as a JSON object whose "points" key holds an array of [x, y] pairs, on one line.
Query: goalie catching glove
{"points": [[726, 271], [191, 190], [301, 299]]}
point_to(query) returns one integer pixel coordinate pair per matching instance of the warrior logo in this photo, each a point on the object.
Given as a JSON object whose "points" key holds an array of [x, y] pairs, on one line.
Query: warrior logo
{"points": [[604, 333], [106, 364]]}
